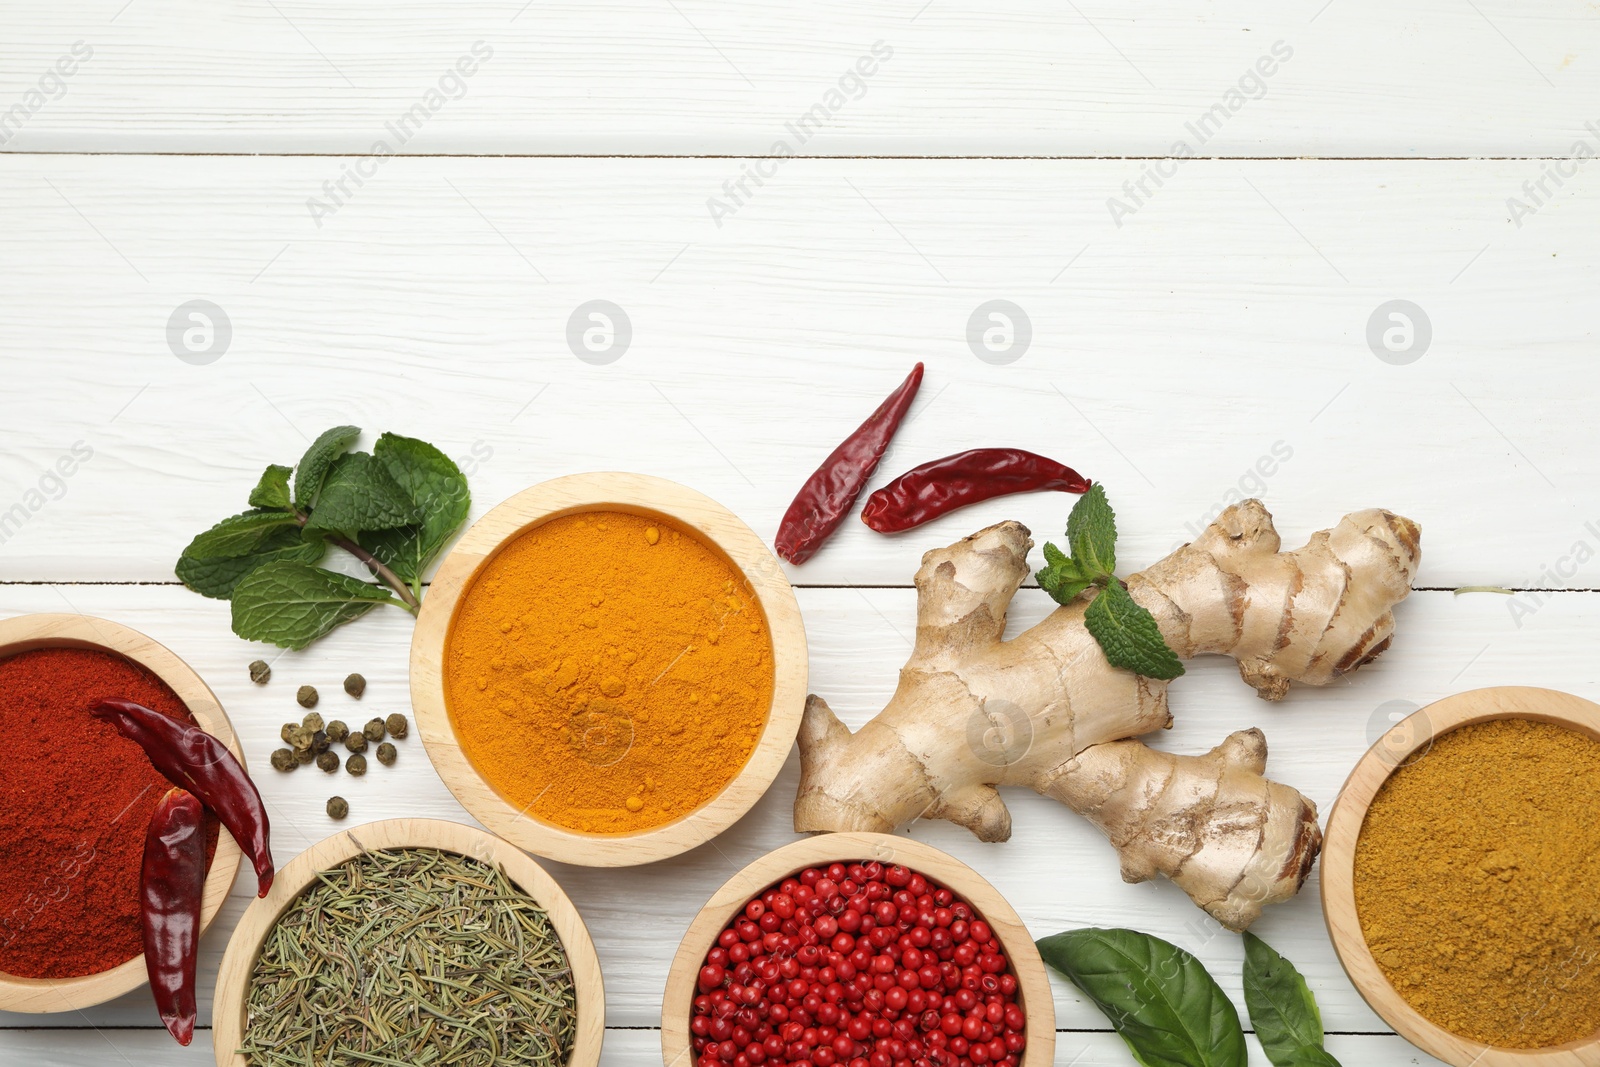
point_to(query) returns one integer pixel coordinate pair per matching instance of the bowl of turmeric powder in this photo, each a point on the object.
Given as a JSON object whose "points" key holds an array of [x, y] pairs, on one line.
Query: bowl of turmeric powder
{"points": [[609, 669], [1461, 878]]}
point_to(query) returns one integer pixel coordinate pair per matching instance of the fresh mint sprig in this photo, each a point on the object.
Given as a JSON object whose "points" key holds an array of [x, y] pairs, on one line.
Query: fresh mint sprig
{"points": [[394, 509], [1126, 631]]}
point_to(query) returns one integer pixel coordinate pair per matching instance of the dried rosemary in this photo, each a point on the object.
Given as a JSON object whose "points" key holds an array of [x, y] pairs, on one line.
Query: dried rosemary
{"points": [[411, 957]]}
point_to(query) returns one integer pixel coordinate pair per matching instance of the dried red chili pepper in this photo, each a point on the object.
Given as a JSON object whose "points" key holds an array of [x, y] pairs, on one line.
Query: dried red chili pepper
{"points": [[198, 762], [926, 492], [824, 502], [171, 886]]}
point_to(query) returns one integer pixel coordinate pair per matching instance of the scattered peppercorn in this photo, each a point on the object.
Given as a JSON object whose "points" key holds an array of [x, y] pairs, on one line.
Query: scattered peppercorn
{"points": [[337, 731], [355, 685], [299, 738], [374, 730], [397, 726], [283, 760], [356, 742], [328, 761], [260, 671], [306, 697], [312, 721], [338, 807], [386, 754], [319, 743], [356, 765], [286, 730], [304, 755]]}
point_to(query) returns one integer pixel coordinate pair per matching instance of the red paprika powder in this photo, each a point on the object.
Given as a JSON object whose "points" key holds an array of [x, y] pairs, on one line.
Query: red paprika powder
{"points": [[75, 802]]}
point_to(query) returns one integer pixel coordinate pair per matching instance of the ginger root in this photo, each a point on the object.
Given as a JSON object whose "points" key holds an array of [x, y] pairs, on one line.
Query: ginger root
{"points": [[1046, 711]]}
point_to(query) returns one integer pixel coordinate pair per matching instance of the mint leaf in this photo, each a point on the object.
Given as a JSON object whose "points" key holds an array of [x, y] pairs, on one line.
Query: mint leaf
{"points": [[292, 604], [217, 576], [438, 490], [358, 494], [1282, 1009], [314, 465], [1092, 533], [1128, 634], [238, 535], [1061, 577], [1163, 1003], [272, 491]]}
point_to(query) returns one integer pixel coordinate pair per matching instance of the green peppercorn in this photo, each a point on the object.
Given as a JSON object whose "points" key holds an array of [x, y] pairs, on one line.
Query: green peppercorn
{"points": [[374, 730], [386, 754], [328, 761], [356, 765], [355, 685], [356, 742], [319, 742], [306, 697], [283, 760], [260, 671], [338, 807], [398, 727], [287, 729], [312, 721], [303, 755], [299, 738], [337, 731]]}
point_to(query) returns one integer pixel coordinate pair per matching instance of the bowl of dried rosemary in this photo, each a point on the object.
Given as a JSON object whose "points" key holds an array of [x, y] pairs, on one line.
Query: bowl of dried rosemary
{"points": [[403, 941], [1461, 878]]}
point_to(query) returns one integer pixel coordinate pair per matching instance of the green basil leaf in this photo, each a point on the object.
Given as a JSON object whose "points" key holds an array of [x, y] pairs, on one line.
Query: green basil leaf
{"points": [[292, 604], [314, 465], [1282, 1009], [358, 495], [1160, 999], [1129, 636], [437, 488], [217, 576], [1092, 533], [272, 491], [1061, 578], [238, 535]]}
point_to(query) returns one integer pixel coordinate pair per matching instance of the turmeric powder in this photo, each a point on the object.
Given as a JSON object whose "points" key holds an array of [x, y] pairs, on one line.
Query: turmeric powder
{"points": [[1477, 883], [608, 672]]}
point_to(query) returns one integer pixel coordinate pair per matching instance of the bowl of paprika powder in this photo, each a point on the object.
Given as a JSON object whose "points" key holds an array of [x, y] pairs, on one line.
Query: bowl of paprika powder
{"points": [[76, 800], [609, 669]]}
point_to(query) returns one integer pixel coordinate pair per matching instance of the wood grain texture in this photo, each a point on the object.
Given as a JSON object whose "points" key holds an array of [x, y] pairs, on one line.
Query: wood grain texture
{"points": [[1404, 743], [1057, 872], [25, 633], [1169, 357], [229, 1016], [691, 511], [1033, 985], [1094, 78]]}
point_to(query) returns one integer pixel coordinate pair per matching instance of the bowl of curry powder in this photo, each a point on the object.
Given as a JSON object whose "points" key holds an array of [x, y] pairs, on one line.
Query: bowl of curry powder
{"points": [[609, 670], [1461, 878]]}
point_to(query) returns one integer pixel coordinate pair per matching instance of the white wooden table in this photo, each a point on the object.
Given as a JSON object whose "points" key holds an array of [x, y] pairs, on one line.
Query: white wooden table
{"points": [[1303, 165]]}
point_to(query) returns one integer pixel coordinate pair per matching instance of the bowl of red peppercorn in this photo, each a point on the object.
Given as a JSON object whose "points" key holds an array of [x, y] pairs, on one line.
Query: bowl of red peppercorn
{"points": [[857, 950], [76, 801]]}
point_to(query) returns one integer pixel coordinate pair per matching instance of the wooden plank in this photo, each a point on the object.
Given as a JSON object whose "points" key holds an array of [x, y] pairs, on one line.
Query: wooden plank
{"points": [[1352, 78], [1057, 872], [1212, 347], [623, 1048]]}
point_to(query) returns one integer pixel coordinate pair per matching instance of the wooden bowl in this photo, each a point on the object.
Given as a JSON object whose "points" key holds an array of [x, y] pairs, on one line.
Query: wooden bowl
{"points": [[1407, 741], [642, 495], [1033, 985], [244, 947], [28, 632]]}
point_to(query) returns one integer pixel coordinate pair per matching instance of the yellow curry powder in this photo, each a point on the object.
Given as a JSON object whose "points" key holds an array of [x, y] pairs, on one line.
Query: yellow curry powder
{"points": [[608, 672], [1477, 883]]}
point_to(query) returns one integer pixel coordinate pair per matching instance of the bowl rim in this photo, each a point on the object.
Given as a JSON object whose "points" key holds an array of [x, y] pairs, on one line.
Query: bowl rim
{"points": [[244, 946], [638, 494], [1033, 981], [24, 633], [1397, 747]]}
